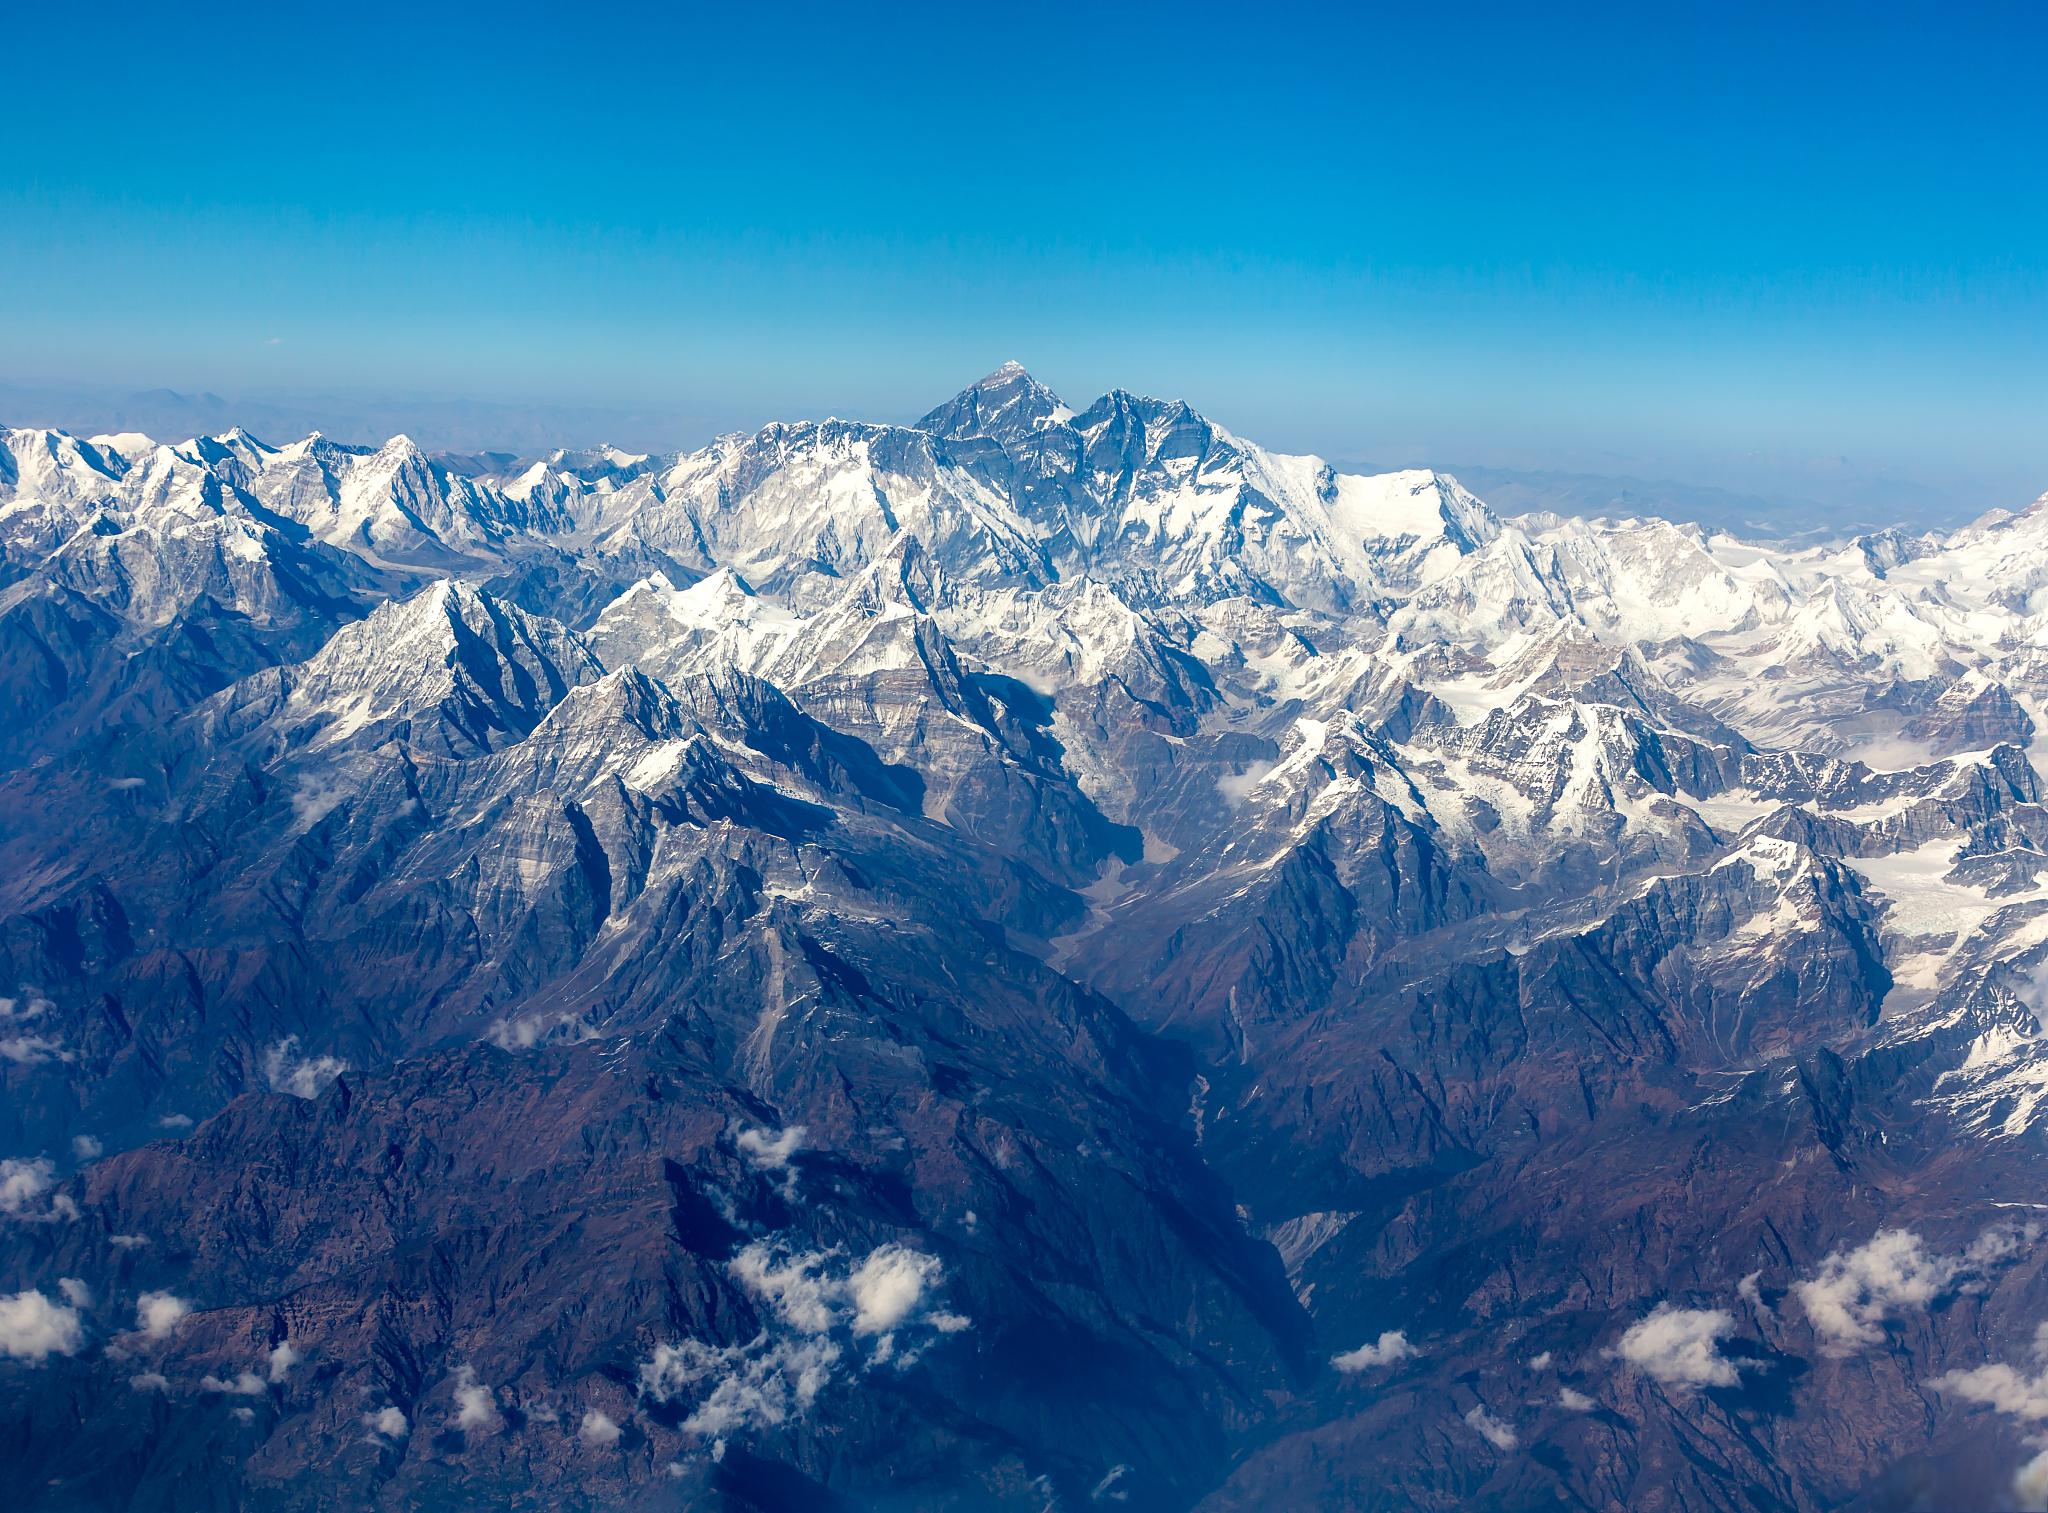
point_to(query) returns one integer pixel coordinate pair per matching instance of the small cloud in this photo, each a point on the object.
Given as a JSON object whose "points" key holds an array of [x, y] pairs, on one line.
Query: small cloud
{"points": [[887, 1286], [245, 1384], [2016, 1394], [32, 1050], [1749, 1290], [1680, 1347], [158, 1313], [476, 1405], [87, 1147], [273, 341], [1999, 1386], [1854, 1291], [1392, 1346], [558, 1027], [301, 1076], [388, 1422], [32, 1328], [599, 1430], [763, 1384], [1540, 1362], [815, 1312], [27, 1049], [770, 1151], [2030, 1485], [76, 1293], [245, 1415], [175, 1122], [150, 1381], [1574, 1402], [282, 1359], [1111, 1488], [1494, 1431], [127, 1242], [26, 1184], [23, 1182], [30, 1005]]}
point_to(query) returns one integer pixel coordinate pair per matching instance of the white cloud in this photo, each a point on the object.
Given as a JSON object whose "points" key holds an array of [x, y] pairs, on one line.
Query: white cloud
{"points": [[770, 1151], [598, 1430], [23, 1181], [1750, 1290], [795, 1286], [476, 1405], [815, 1310], [158, 1313], [1540, 1362], [282, 1359], [30, 1005], [301, 1076], [127, 1242], [32, 1328], [1849, 1297], [245, 1415], [887, 1287], [2030, 1485], [21, 1047], [1496, 1432], [1854, 1291], [2017, 1395], [175, 1121], [389, 1422], [150, 1381], [530, 1030], [1111, 1487], [87, 1147], [245, 1384], [1999, 1386], [1680, 1347], [32, 1050], [75, 1291], [1392, 1346], [758, 1385], [1574, 1402]]}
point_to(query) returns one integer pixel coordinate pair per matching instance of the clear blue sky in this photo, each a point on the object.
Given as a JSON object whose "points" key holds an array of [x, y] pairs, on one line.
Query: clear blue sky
{"points": [[1543, 233]]}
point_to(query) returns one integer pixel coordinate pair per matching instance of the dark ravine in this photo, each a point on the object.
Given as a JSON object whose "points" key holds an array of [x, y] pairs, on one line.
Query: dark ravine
{"points": [[1038, 959]]}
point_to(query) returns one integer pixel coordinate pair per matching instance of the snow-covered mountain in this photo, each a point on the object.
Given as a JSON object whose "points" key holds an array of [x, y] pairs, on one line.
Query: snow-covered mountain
{"points": [[1045, 957]]}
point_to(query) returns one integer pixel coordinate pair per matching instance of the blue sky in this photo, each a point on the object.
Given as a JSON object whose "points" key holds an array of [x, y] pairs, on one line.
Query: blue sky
{"points": [[1694, 243]]}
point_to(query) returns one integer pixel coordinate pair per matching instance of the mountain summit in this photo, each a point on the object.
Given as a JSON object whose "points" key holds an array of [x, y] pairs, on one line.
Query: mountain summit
{"points": [[1005, 405]]}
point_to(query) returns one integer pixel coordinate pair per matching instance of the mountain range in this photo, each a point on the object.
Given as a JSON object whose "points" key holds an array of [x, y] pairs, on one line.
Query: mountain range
{"points": [[1043, 958]]}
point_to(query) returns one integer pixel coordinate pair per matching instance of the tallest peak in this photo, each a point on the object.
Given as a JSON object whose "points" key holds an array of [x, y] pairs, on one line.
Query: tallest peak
{"points": [[1001, 403]]}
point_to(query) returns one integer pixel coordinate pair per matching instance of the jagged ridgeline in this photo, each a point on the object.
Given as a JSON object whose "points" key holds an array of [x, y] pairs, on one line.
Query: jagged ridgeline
{"points": [[1032, 959]]}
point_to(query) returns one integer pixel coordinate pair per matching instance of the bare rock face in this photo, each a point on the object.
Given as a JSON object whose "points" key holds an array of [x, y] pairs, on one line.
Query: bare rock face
{"points": [[1044, 958]]}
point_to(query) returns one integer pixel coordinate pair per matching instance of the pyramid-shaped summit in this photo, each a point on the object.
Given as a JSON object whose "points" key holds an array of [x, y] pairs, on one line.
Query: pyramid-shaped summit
{"points": [[1004, 403]]}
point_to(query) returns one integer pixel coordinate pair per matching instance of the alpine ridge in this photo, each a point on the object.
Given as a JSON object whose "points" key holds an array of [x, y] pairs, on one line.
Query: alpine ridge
{"points": [[1041, 958]]}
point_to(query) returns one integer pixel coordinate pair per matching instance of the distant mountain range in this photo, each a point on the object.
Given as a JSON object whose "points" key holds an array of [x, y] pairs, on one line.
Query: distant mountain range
{"points": [[1769, 497], [1046, 957]]}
